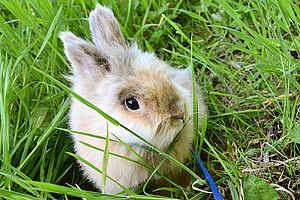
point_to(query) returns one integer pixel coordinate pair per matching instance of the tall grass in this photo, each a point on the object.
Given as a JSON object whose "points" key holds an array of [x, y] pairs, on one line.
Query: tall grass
{"points": [[247, 58]]}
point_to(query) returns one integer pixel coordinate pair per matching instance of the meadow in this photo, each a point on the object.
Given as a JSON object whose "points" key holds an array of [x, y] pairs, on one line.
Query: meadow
{"points": [[246, 56]]}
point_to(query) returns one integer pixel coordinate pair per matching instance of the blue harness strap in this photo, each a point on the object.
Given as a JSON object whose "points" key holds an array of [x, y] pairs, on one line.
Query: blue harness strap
{"points": [[209, 179]]}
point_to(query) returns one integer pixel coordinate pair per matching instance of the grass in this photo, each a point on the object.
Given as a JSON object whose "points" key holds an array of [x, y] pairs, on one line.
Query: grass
{"points": [[247, 60]]}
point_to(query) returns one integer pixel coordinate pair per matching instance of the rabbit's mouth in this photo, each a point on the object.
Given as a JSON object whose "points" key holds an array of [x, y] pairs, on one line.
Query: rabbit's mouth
{"points": [[177, 120]]}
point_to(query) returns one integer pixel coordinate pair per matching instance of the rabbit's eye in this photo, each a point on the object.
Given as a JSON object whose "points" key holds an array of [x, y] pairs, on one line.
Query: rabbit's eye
{"points": [[132, 103]]}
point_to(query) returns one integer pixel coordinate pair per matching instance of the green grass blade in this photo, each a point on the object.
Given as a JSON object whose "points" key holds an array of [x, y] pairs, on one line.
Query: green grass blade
{"points": [[293, 81], [7, 194], [49, 33], [105, 160], [15, 8], [233, 191], [42, 139]]}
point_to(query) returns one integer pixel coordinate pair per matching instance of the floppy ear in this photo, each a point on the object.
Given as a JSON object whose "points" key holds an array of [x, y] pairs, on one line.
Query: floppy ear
{"points": [[87, 61], [105, 28]]}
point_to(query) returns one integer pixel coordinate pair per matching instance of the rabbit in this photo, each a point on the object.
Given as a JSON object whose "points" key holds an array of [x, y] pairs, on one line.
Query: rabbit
{"points": [[136, 88]]}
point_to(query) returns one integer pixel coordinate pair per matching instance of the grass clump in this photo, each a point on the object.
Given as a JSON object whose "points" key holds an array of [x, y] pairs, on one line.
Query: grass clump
{"points": [[247, 59]]}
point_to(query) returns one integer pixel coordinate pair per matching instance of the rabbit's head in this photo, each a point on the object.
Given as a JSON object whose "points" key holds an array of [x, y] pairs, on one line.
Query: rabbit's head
{"points": [[140, 91]]}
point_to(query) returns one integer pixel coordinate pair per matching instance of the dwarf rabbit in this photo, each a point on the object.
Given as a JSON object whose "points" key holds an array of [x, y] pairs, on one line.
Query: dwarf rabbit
{"points": [[136, 88]]}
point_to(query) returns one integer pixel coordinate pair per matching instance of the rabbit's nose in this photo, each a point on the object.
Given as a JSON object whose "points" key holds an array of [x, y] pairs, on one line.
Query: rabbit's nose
{"points": [[179, 117]]}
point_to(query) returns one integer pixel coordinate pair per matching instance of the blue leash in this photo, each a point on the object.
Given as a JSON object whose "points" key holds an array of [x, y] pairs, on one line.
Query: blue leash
{"points": [[209, 179]]}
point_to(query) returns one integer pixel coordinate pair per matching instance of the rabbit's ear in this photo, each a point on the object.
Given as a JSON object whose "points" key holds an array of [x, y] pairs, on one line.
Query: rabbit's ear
{"points": [[87, 61], [105, 28]]}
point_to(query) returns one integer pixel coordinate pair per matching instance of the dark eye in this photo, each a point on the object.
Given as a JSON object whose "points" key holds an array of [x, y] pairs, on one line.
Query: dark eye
{"points": [[132, 103]]}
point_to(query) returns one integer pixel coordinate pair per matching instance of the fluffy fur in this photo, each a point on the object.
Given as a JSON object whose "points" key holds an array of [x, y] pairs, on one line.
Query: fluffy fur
{"points": [[106, 73]]}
